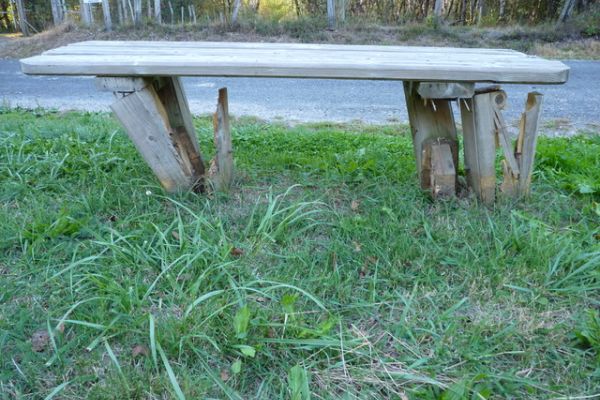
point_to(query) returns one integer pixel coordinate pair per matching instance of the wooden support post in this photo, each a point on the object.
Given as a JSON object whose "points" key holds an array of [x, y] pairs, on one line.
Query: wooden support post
{"points": [[439, 163], [221, 171], [156, 117], [480, 145], [429, 119], [527, 141]]}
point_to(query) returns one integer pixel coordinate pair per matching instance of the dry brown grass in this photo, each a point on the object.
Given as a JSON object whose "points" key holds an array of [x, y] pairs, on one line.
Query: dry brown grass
{"points": [[541, 40], [583, 49]]}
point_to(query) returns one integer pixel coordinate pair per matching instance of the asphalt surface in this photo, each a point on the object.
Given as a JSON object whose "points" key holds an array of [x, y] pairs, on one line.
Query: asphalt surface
{"points": [[575, 105]]}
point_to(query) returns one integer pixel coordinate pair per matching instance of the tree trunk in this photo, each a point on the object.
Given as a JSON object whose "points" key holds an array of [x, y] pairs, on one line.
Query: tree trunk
{"points": [[22, 18], [56, 12], [236, 10], [567, 10], [137, 12], [106, 14], [437, 8], [157, 15], [463, 12], [84, 11], [331, 14]]}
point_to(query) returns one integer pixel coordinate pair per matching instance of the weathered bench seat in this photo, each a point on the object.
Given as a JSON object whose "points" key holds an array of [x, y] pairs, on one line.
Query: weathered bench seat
{"points": [[278, 60], [152, 106]]}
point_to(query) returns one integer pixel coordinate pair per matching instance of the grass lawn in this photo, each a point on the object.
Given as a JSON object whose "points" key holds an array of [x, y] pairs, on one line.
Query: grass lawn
{"points": [[324, 273]]}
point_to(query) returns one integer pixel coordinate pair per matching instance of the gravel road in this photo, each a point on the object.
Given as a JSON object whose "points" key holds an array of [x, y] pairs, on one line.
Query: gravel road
{"points": [[567, 108]]}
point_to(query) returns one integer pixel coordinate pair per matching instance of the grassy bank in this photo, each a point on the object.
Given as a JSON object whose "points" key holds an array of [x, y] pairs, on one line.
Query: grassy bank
{"points": [[577, 40], [324, 271]]}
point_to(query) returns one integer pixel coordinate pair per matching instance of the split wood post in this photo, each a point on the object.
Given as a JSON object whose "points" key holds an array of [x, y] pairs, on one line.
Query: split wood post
{"points": [[155, 115], [22, 18], [157, 12], [429, 119], [527, 141], [480, 144], [222, 165], [439, 162], [106, 15]]}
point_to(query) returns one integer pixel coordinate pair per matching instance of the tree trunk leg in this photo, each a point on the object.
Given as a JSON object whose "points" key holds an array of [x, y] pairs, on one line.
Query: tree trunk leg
{"points": [[480, 145], [429, 119], [156, 117]]}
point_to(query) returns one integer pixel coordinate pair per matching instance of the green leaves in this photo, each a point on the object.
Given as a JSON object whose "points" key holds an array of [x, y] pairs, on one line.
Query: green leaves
{"points": [[241, 321], [298, 383]]}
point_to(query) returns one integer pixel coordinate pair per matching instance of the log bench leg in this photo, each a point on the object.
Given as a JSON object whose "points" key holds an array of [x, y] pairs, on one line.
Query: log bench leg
{"points": [[479, 140], [483, 128], [434, 134], [155, 115]]}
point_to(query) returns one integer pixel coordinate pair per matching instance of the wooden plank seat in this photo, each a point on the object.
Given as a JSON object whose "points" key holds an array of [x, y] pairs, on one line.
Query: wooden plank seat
{"points": [[151, 104]]}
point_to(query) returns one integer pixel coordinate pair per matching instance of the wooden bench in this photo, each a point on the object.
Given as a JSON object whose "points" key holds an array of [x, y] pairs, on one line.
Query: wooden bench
{"points": [[151, 103]]}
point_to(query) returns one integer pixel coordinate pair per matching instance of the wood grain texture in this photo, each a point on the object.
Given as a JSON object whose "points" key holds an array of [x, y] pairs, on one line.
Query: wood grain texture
{"points": [[145, 121], [129, 58], [429, 120], [222, 176], [438, 162], [480, 145], [172, 95], [528, 138]]}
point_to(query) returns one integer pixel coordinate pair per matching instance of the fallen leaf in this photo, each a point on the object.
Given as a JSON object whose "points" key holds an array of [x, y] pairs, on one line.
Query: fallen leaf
{"points": [[225, 375], [139, 350], [175, 234], [237, 252], [354, 205], [357, 247], [40, 340]]}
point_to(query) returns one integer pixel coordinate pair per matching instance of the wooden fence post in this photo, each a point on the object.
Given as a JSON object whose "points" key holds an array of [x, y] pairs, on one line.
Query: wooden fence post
{"points": [[22, 18]]}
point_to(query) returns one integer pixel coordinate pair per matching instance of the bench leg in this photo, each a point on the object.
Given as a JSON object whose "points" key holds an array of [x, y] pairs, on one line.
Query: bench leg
{"points": [[155, 115], [479, 137], [430, 120], [527, 141]]}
